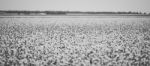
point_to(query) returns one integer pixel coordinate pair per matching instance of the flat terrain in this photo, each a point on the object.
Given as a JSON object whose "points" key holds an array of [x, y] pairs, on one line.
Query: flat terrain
{"points": [[75, 40]]}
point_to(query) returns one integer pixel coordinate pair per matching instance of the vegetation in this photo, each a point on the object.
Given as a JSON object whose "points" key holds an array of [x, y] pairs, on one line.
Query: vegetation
{"points": [[65, 13], [52, 44]]}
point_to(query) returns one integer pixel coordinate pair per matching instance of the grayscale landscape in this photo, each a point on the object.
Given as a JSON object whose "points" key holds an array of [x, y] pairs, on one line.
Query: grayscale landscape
{"points": [[74, 38]]}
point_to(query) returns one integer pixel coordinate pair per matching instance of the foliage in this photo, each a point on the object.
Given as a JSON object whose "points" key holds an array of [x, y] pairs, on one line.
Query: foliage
{"points": [[30, 44]]}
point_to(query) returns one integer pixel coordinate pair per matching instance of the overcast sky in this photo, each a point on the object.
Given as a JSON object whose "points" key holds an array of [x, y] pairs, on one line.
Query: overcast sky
{"points": [[77, 5]]}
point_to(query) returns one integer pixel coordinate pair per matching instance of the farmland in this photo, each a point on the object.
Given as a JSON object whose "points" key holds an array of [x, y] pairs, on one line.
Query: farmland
{"points": [[74, 41]]}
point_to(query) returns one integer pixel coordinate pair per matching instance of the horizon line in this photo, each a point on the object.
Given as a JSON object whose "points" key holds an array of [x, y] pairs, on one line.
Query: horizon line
{"points": [[76, 11]]}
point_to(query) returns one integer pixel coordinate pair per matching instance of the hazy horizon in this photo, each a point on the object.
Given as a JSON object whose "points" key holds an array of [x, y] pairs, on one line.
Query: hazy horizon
{"points": [[77, 5]]}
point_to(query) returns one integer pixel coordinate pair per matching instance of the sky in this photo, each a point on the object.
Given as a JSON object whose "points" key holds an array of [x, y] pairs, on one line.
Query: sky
{"points": [[77, 5]]}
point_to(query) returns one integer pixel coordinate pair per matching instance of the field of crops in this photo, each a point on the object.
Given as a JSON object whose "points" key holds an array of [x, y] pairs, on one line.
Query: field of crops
{"points": [[74, 41]]}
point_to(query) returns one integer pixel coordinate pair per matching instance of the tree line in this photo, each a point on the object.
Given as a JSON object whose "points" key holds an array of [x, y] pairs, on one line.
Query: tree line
{"points": [[66, 12]]}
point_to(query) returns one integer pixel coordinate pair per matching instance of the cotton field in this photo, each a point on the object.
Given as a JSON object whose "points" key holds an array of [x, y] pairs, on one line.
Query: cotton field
{"points": [[74, 41]]}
